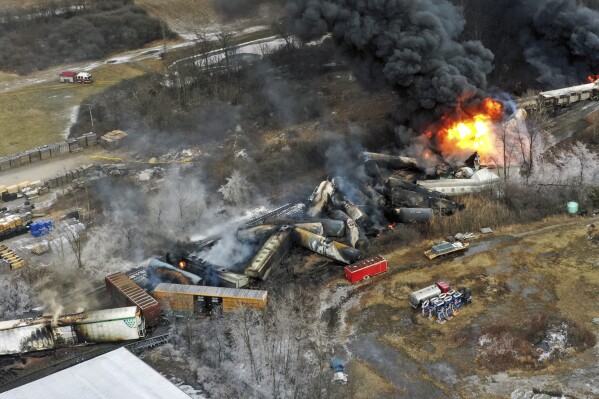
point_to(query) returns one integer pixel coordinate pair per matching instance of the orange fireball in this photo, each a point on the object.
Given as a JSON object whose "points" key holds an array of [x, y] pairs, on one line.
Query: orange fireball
{"points": [[593, 78], [471, 131]]}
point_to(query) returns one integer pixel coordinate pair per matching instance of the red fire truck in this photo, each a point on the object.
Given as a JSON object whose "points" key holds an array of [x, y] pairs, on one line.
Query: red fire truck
{"points": [[365, 269], [75, 77]]}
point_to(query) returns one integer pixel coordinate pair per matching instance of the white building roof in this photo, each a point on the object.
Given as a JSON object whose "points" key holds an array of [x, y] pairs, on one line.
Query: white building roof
{"points": [[117, 374]]}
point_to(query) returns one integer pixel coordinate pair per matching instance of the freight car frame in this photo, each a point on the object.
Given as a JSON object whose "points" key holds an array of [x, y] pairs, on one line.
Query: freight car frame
{"points": [[125, 292], [189, 299]]}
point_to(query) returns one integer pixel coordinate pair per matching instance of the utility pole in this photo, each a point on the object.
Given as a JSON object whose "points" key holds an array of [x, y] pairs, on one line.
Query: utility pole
{"points": [[163, 39], [91, 117]]}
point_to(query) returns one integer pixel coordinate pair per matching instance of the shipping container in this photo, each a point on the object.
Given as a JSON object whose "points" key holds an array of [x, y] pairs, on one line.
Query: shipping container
{"points": [[365, 269], [4, 163], [63, 147], [24, 158], [44, 152], [54, 150], [14, 160], [92, 139], [73, 145], [82, 141], [34, 154], [124, 292], [189, 299]]}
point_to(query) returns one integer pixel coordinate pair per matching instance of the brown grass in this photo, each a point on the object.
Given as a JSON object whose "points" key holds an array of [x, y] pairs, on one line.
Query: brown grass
{"points": [[481, 211]]}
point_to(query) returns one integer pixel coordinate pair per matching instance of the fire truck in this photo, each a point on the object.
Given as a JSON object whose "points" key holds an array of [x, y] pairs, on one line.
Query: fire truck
{"points": [[75, 77]]}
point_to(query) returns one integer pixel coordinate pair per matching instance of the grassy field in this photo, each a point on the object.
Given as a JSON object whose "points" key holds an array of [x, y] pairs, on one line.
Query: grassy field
{"points": [[41, 113], [522, 273]]}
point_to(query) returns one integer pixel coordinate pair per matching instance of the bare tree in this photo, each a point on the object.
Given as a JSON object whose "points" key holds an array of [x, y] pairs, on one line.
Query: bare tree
{"points": [[281, 28], [75, 242], [225, 41]]}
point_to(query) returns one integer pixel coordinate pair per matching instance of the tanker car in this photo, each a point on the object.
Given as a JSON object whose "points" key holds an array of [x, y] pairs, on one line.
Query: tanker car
{"points": [[47, 332]]}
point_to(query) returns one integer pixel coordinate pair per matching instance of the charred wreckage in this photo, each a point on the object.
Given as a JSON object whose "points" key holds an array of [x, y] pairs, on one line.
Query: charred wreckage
{"points": [[338, 220]]}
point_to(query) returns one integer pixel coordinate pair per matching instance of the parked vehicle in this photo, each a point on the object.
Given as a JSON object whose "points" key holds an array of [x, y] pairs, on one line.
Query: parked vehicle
{"points": [[446, 248], [416, 298], [75, 77], [365, 269]]}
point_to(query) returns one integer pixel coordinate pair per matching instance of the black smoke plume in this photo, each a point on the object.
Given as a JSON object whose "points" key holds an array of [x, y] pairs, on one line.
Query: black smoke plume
{"points": [[556, 42], [412, 44]]}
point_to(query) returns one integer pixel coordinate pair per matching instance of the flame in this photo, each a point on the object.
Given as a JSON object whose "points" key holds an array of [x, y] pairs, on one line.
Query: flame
{"points": [[473, 131], [182, 264], [593, 78]]}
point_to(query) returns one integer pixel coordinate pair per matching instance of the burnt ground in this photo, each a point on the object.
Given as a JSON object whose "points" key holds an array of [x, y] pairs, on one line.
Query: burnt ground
{"points": [[517, 275]]}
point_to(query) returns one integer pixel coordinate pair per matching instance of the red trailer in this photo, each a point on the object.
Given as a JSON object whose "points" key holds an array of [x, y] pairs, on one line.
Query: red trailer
{"points": [[124, 292], [365, 268]]}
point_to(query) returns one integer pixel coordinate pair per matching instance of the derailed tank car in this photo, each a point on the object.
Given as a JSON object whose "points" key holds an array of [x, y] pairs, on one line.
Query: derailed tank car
{"points": [[46, 332]]}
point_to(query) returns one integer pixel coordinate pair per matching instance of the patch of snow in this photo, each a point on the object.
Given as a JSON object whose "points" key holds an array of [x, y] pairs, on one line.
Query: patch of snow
{"points": [[72, 120], [253, 29], [556, 339]]}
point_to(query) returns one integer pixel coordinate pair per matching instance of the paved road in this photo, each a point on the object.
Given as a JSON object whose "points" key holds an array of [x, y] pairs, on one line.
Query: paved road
{"points": [[51, 74]]}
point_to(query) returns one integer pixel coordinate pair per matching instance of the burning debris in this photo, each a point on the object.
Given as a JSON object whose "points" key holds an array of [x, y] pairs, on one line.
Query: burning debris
{"points": [[337, 221]]}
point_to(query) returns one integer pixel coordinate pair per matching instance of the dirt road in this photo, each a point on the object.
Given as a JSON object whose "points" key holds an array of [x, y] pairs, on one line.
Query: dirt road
{"points": [[43, 170]]}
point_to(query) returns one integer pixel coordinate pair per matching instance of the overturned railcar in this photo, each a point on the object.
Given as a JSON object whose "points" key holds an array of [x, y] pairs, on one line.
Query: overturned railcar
{"points": [[47, 332], [125, 292]]}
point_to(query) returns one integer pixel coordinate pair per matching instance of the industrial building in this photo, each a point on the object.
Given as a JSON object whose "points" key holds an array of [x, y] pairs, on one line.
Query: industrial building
{"points": [[117, 374]]}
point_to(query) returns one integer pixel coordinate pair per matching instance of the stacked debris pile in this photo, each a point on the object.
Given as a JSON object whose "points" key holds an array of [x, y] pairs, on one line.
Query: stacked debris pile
{"points": [[113, 139], [11, 258]]}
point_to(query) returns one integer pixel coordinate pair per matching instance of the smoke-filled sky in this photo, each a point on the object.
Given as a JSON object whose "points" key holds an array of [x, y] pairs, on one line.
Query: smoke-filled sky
{"points": [[413, 44], [558, 39], [419, 46]]}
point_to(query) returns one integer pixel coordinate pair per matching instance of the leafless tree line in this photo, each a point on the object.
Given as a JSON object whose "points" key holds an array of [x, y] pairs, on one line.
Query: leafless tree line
{"points": [[282, 351]]}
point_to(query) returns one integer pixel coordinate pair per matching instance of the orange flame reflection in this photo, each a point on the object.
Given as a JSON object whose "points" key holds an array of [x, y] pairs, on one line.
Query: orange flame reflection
{"points": [[182, 264], [472, 131]]}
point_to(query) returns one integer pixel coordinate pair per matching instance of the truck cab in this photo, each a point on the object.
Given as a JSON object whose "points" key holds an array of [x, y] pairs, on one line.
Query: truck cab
{"points": [[84, 77]]}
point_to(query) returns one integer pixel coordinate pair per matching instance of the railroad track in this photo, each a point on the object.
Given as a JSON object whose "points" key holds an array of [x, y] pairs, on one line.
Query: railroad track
{"points": [[148, 343]]}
